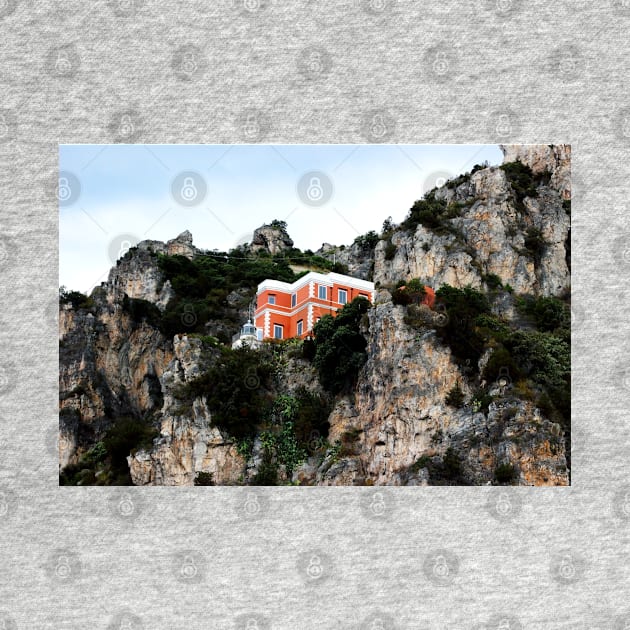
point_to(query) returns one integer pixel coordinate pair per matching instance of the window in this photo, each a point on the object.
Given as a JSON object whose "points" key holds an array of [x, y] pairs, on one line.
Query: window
{"points": [[322, 292], [277, 331], [300, 327], [342, 296], [272, 298], [363, 295], [294, 299]]}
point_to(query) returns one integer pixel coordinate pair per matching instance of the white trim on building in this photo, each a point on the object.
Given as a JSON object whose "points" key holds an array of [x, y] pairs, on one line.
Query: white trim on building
{"points": [[320, 278]]}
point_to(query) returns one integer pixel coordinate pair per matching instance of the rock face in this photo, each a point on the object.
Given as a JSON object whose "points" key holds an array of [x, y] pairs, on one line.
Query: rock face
{"points": [[271, 238], [395, 428], [138, 276], [555, 158], [489, 238], [188, 443], [399, 415], [357, 259], [109, 366]]}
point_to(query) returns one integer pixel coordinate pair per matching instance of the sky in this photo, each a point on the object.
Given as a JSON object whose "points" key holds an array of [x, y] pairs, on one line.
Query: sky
{"points": [[112, 196]]}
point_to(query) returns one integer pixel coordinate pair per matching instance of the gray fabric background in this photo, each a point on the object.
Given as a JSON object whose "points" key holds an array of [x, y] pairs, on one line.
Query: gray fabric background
{"points": [[199, 557]]}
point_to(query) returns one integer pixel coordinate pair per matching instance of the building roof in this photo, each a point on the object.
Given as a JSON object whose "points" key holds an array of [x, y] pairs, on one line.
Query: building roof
{"points": [[313, 276]]}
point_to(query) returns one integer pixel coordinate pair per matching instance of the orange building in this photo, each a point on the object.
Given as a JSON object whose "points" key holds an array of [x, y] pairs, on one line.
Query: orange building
{"points": [[286, 310]]}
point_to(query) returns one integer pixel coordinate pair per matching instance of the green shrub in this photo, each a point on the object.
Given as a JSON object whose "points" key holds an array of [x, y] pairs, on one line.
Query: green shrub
{"points": [[448, 471], [76, 298], [311, 417], [455, 397], [388, 227], [424, 461], [480, 401], [505, 473], [390, 250], [492, 281], [547, 313], [235, 388], [535, 244], [501, 363], [142, 311], [459, 332], [523, 181], [428, 212], [412, 293], [267, 474], [340, 347], [368, 241], [204, 479]]}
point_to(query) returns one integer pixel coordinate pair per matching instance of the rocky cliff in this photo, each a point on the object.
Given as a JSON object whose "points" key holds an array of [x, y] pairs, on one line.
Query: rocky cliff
{"points": [[502, 230]]}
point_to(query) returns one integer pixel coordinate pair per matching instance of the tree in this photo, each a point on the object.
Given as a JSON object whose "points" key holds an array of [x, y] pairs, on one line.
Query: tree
{"points": [[340, 347]]}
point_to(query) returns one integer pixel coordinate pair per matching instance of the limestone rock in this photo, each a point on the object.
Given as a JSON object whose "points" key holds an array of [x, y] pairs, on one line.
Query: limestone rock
{"points": [[270, 238], [488, 236], [555, 158]]}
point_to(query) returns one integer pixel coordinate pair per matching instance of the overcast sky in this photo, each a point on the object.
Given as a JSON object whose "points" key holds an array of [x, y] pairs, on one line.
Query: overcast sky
{"points": [[115, 195]]}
